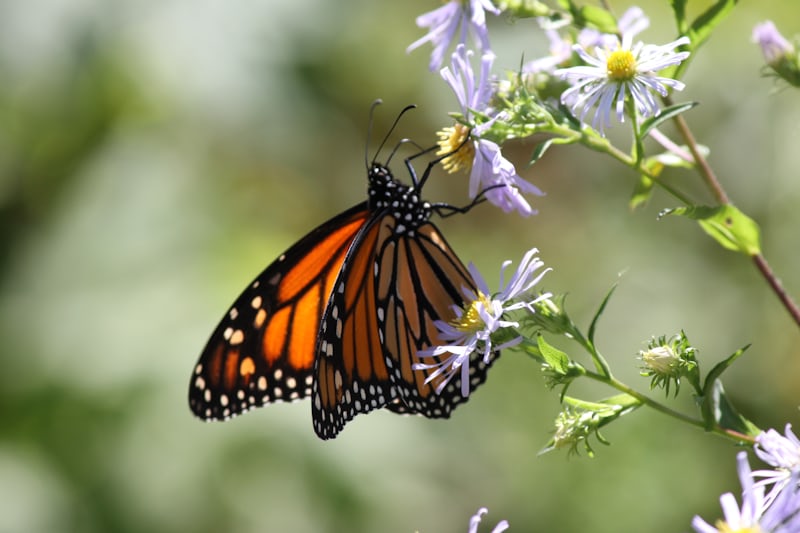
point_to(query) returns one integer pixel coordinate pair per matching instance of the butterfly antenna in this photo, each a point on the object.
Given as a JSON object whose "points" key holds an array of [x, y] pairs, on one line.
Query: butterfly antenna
{"points": [[375, 104], [391, 130]]}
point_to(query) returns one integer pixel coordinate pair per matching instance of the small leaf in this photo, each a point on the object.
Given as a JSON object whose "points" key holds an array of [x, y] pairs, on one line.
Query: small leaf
{"points": [[599, 18], [718, 411], [726, 224], [709, 19], [664, 115], [599, 312], [608, 409], [557, 360], [721, 367], [625, 402], [569, 118], [679, 8], [539, 151]]}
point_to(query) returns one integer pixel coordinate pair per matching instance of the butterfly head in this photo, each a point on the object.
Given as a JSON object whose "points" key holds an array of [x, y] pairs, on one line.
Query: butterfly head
{"points": [[403, 202]]}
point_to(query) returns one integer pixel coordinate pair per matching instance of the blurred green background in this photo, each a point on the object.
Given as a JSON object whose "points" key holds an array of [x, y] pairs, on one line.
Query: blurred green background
{"points": [[156, 154]]}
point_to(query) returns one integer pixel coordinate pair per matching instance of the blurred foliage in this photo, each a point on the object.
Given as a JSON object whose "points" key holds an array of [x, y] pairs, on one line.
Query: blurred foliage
{"points": [[154, 156]]}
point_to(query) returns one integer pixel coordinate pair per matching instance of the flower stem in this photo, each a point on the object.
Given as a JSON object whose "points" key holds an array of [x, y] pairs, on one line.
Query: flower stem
{"points": [[790, 305], [646, 400], [703, 167]]}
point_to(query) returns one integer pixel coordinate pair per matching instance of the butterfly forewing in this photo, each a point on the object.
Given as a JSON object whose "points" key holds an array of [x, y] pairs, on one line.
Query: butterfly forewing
{"points": [[263, 350], [351, 374]]}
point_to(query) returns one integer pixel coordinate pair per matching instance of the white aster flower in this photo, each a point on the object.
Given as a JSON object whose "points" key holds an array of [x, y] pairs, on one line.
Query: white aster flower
{"points": [[452, 21], [617, 69]]}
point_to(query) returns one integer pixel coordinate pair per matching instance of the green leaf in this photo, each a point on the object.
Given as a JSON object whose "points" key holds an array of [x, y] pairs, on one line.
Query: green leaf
{"points": [[599, 312], [665, 114], [557, 360], [625, 402], [539, 151], [608, 409], [569, 119], [679, 8], [703, 25], [721, 367], [718, 411], [726, 224], [599, 18], [596, 17]]}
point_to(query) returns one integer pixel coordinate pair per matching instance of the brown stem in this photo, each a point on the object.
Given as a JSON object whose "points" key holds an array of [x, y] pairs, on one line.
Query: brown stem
{"points": [[719, 193], [775, 283], [702, 165]]}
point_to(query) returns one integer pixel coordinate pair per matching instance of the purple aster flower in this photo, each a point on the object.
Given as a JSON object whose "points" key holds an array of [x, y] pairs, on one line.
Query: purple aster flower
{"points": [[472, 329], [781, 452], [781, 516], [618, 70], [476, 519], [496, 175], [443, 23], [773, 45], [735, 518], [490, 172]]}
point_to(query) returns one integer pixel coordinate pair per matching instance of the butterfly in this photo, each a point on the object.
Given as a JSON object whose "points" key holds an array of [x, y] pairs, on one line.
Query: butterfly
{"points": [[341, 315]]}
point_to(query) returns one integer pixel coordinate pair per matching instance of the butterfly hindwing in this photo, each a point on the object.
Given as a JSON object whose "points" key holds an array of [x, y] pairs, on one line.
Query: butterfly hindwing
{"points": [[263, 350], [428, 280]]}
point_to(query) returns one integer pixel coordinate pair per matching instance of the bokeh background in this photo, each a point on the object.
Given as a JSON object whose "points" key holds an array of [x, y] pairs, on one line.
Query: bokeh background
{"points": [[156, 155]]}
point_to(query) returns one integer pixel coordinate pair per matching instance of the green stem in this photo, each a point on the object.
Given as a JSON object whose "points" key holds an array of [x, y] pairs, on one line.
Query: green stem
{"points": [[646, 400], [599, 361], [638, 146], [600, 144]]}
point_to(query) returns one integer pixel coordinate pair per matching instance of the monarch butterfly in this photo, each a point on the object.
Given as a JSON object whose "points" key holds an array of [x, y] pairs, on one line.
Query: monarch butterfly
{"points": [[341, 315]]}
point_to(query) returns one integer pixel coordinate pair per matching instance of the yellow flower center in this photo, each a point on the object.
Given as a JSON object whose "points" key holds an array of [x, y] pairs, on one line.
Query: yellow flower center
{"points": [[471, 321], [452, 141], [621, 65], [723, 527]]}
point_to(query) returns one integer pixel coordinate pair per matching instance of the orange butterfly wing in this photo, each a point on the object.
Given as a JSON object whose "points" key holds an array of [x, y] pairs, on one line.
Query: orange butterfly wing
{"points": [[382, 311], [263, 350], [351, 374], [428, 282]]}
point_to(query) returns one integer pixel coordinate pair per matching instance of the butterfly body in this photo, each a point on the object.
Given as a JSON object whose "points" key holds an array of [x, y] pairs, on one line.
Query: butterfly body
{"points": [[340, 317]]}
